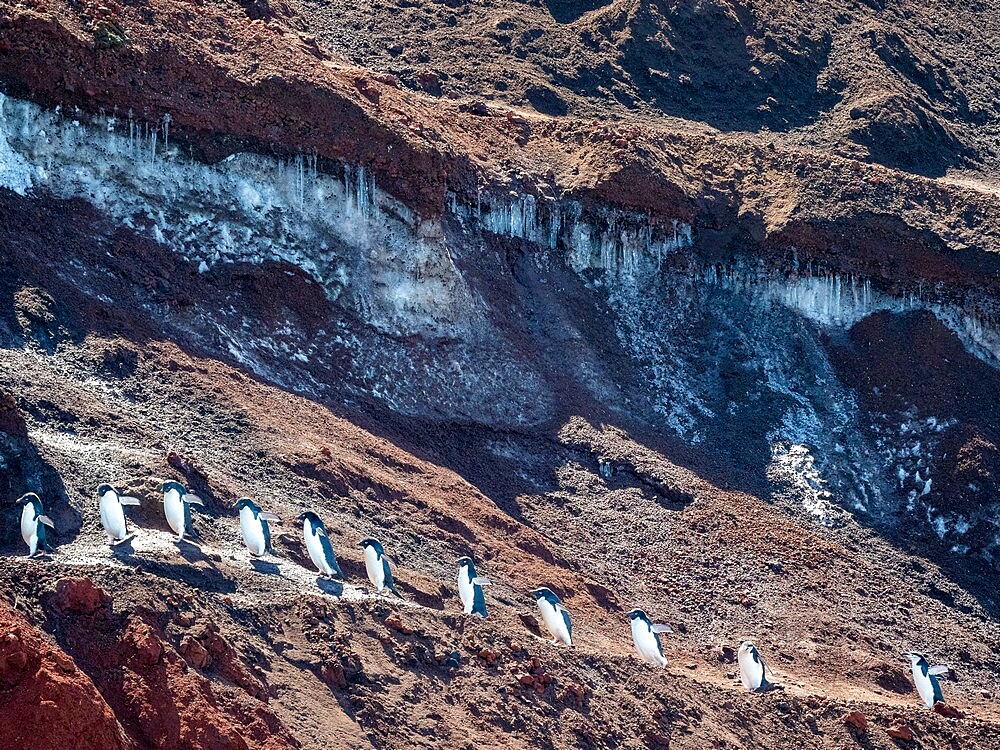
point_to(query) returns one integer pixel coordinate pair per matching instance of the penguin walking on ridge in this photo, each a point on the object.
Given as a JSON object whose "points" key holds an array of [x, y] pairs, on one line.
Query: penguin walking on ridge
{"points": [[113, 514], [646, 637], [925, 677], [470, 588], [753, 671], [177, 503], [554, 615], [253, 524], [319, 547], [33, 523], [377, 566]]}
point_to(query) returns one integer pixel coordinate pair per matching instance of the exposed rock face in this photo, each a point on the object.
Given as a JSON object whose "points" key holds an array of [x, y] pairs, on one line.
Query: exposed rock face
{"points": [[664, 304], [46, 700]]}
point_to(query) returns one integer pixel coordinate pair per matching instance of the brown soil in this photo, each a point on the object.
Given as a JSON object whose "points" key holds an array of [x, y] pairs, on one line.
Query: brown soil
{"points": [[861, 134]]}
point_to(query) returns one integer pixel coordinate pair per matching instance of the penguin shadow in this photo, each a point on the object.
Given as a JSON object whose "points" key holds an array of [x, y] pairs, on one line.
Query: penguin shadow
{"points": [[266, 567], [770, 687], [124, 551], [335, 588], [191, 552], [197, 569]]}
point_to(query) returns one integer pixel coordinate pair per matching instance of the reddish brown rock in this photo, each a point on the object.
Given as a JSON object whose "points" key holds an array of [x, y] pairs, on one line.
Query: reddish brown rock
{"points": [[48, 701], [900, 731], [79, 596], [856, 719], [145, 645], [529, 621], [395, 622], [489, 655], [195, 653], [948, 711], [573, 693]]}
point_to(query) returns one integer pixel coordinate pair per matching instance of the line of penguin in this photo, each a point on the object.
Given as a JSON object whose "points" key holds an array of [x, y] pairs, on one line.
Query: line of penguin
{"points": [[254, 522]]}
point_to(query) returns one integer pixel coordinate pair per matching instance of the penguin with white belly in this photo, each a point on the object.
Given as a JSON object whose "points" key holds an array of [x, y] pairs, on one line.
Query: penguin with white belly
{"points": [[554, 615], [318, 546], [470, 588], [33, 523], [254, 525], [177, 503], [925, 677], [112, 510], [646, 637], [753, 671], [377, 566]]}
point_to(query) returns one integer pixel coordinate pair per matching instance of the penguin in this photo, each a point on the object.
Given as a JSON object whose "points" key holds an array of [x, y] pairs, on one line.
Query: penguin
{"points": [[33, 523], [470, 588], [253, 524], [752, 668], [377, 566], [319, 547], [554, 615], [177, 503], [645, 636], [925, 677], [112, 513]]}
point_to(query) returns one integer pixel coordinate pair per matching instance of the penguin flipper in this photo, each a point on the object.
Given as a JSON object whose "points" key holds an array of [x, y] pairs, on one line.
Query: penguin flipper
{"points": [[331, 559], [46, 520], [267, 516], [662, 629], [478, 601], [127, 500], [939, 669], [389, 583], [765, 684], [190, 499], [938, 695], [569, 625]]}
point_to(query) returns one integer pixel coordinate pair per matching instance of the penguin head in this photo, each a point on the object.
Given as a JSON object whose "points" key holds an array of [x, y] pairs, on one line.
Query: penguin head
{"points": [[914, 657], [172, 485], [545, 593], [104, 489], [30, 497], [311, 518], [747, 648], [246, 502], [637, 614], [374, 544]]}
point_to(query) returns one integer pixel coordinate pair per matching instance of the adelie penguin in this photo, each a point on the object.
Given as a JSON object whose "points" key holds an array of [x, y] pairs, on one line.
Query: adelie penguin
{"points": [[554, 615], [33, 523], [753, 671], [470, 588], [646, 637], [318, 546], [113, 514], [377, 566], [253, 524], [177, 503], [925, 677]]}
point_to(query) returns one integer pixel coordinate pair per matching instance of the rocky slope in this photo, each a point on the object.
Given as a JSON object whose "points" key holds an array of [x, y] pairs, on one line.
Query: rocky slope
{"points": [[689, 306]]}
